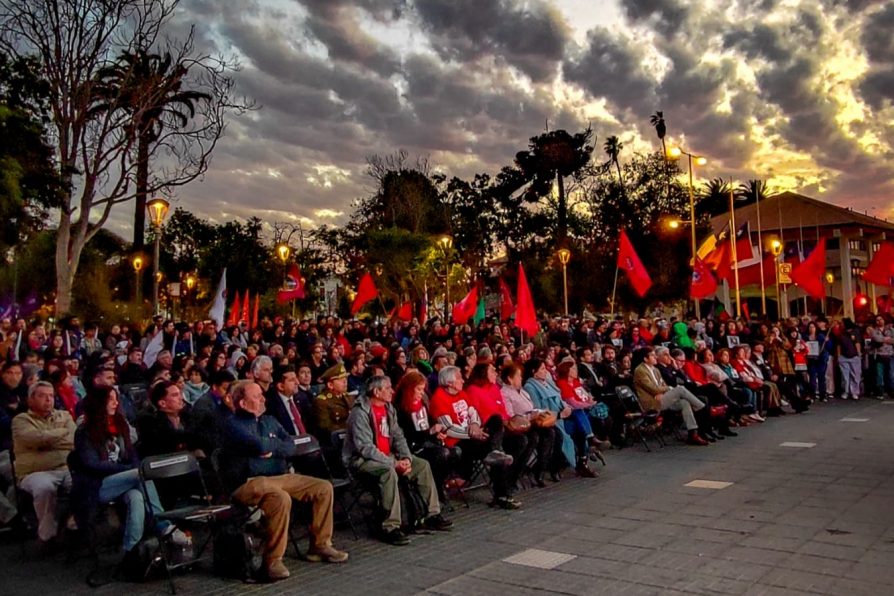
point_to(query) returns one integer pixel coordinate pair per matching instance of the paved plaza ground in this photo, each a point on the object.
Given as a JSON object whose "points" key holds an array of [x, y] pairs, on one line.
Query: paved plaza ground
{"points": [[816, 516]]}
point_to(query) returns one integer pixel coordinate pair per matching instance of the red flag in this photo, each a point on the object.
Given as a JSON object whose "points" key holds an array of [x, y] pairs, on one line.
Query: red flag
{"points": [[294, 288], [246, 306], [744, 248], [525, 316], [506, 306], [881, 270], [406, 312], [750, 276], [703, 283], [629, 262], [465, 308], [234, 311], [745, 312], [809, 274], [254, 314], [366, 291]]}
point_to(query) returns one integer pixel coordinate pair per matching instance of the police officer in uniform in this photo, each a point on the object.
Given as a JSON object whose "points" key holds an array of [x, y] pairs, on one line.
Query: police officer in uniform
{"points": [[332, 406]]}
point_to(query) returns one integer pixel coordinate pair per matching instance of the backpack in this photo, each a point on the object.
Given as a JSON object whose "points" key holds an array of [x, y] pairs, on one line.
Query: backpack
{"points": [[239, 553], [413, 507]]}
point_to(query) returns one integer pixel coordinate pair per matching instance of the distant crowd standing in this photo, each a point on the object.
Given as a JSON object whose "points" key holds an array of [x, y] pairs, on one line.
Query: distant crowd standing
{"points": [[432, 404]]}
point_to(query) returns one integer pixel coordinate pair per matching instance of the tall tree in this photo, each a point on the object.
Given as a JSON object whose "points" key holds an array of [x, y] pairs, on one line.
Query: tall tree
{"points": [[752, 191], [73, 40], [613, 148], [714, 197], [657, 121], [550, 158], [148, 87]]}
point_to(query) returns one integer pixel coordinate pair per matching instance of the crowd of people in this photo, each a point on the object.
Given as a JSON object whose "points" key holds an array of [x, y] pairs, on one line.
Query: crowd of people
{"points": [[392, 404]]}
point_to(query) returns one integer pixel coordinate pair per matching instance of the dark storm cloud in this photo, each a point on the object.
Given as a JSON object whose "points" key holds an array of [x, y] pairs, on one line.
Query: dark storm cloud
{"points": [[665, 16], [612, 66], [878, 41], [531, 37]]}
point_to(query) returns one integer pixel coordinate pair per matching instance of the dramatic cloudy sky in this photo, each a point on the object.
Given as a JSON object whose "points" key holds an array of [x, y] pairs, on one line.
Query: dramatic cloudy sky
{"points": [[797, 92]]}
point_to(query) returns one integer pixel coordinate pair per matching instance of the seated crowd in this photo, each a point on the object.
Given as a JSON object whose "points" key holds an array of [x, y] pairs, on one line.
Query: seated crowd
{"points": [[428, 408]]}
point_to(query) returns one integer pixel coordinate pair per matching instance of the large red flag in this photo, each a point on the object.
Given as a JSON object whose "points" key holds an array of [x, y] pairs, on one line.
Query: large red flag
{"points": [[629, 262], [234, 311], [294, 289], [809, 274], [366, 291], [465, 308], [406, 312], [881, 270], [750, 276], [506, 306], [246, 307], [254, 313], [525, 315], [703, 283]]}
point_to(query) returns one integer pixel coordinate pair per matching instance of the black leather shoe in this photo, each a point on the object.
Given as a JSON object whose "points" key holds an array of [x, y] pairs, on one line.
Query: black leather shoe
{"points": [[728, 433], [438, 523], [395, 537]]}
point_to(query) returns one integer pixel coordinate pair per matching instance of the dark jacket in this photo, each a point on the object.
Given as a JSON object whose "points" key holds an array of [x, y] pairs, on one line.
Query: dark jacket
{"points": [[89, 465], [248, 437], [277, 409], [209, 415], [158, 435]]}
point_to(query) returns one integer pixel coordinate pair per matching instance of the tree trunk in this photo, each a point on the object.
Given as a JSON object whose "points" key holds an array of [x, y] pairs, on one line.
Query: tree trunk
{"points": [[139, 215], [562, 231]]}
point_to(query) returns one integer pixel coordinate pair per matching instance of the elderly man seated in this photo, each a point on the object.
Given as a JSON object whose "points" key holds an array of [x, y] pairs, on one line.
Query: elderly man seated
{"points": [[42, 439], [375, 447], [655, 394], [257, 452]]}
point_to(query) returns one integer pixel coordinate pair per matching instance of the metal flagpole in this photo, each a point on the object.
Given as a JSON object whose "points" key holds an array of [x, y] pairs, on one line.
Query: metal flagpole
{"points": [[801, 249], [782, 307], [732, 215], [760, 254], [615, 288]]}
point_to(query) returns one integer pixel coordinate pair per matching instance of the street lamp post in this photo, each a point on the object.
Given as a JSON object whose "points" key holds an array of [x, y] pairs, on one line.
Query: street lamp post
{"points": [[830, 279], [158, 210], [776, 249], [699, 160], [564, 257], [446, 242], [138, 267], [283, 251]]}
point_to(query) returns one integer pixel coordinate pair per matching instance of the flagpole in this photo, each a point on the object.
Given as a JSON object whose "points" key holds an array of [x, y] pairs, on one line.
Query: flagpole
{"points": [[732, 214], [615, 288], [783, 294], [760, 253]]}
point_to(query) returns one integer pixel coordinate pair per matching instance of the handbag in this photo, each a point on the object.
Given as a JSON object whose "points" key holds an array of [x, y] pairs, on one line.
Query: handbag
{"points": [[544, 419], [518, 424], [718, 411], [600, 410]]}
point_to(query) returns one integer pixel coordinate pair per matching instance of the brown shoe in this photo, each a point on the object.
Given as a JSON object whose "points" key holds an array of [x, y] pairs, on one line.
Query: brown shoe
{"points": [[276, 570], [328, 554]]}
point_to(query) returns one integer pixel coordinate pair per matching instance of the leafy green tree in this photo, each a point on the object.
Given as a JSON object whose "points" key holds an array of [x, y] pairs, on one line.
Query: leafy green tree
{"points": [[752, 192], [713, 197]]}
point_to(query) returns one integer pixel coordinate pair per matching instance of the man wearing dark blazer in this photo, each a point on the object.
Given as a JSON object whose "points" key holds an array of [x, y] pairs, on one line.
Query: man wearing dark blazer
{"points": [[281, 404]]}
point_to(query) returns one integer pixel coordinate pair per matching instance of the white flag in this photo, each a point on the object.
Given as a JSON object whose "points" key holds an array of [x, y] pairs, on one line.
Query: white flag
{"points": [[219, 307], [155, 345]]}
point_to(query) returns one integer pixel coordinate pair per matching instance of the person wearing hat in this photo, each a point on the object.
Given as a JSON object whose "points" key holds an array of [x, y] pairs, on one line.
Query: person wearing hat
{"points": [[333, 405]]}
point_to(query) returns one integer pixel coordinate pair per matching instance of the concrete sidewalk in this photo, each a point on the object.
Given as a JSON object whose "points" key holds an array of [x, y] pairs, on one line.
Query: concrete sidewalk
{"points": [[813, 516]]}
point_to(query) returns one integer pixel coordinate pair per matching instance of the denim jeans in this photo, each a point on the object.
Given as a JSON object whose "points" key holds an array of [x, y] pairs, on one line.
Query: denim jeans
{"points": [[126, 486], [884, 374]]}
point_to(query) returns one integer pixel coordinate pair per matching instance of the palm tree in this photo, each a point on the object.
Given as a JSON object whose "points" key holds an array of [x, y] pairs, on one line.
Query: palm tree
{"points": [[551, 157], [752, 191], [150, 88], [714, 197], [613, 147], [657, 120]]}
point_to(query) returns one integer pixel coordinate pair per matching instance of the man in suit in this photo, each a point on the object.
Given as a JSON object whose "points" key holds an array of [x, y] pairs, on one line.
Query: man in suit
{"points": [[655, 394]]}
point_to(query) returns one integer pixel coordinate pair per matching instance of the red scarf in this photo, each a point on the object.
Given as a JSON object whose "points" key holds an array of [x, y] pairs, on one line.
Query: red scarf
{"points": [[111, 426]]}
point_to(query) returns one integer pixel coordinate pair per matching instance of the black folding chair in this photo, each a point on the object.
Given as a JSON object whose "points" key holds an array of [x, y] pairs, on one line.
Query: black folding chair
{"points": [[638, 422], [197, 512], [308, 445]]}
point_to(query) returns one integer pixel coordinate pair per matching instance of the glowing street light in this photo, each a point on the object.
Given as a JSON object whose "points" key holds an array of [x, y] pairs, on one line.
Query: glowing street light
{"points": [[564, 257], [446, 243], [676, 152], [158, 210]]}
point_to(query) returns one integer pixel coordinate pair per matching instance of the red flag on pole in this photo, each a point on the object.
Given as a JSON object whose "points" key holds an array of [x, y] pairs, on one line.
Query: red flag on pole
{"points": [[294, 289], [406, 312], [703, 283], [366, 291], [506, 306], [254, 314], [234, 311], [751, 275], [809, 274], [246, 307], [881, 270], [465, 308], [525, 316], [629, 261]]}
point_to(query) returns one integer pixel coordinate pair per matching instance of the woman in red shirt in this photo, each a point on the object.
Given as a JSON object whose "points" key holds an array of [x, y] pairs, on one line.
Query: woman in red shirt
{"points": [[574, 394]]}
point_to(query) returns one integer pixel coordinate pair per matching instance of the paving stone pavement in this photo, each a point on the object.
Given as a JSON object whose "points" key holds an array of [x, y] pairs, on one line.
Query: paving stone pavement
{"points": [[794, 520]]}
